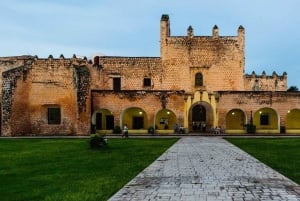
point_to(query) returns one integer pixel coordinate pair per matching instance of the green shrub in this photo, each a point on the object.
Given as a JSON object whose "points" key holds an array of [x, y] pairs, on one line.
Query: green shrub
{"points": [[151, 130], [98, 141], [117, 130], [250, 128]]}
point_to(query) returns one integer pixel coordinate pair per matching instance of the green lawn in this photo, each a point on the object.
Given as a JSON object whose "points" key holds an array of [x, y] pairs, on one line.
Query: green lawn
{"points": [[282, 154], [67, 169]]}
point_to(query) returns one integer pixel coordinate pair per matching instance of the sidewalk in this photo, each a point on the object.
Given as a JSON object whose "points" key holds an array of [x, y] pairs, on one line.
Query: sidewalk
{"points": [[208, 168]]}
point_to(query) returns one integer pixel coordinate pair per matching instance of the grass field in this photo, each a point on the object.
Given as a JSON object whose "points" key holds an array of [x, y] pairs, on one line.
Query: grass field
{"points": [[282, 154], [67, 169]]}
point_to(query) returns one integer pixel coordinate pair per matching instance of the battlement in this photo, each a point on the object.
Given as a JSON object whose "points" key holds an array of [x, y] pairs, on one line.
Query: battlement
{"points": [[264, 75], [103, 60], [191, 44], [165, 29], [14, 59], [264, 82]]}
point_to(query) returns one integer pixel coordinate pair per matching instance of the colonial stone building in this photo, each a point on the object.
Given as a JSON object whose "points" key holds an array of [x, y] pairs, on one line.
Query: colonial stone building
{"points": [[198, 82]]}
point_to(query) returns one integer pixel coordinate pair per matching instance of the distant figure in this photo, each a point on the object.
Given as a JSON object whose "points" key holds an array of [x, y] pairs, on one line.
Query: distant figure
{"points": [[176, 128], [204, 127], [125, 131], [166, 125]]}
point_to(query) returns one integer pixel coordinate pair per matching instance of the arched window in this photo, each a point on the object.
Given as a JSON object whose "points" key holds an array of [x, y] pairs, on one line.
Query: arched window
{"points": [[198, 79]]}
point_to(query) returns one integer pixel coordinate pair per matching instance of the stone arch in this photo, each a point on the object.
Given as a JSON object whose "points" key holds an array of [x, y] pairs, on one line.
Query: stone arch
{"points": [[200, 117], [293, 119], [266, 120], [135, 118], [165, 119], [235, 119], [103, 119]]}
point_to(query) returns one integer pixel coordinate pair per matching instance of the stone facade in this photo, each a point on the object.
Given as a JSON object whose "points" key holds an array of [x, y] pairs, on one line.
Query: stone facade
{"points": [[34, 86], [198, 82]]}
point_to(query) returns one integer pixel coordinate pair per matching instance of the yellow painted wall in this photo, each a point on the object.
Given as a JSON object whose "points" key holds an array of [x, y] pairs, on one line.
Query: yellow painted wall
{"points": [[165, 114], [235, 119], [104, 112], [293, 119], [133, 112], [273, 125], [197, 97]]}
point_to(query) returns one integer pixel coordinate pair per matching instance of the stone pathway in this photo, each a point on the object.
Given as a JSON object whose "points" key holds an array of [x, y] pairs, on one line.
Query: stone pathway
{"points": [[208, 168]]}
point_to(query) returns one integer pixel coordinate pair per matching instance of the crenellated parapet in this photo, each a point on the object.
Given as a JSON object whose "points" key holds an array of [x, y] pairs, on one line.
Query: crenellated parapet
{"points": [[264, 82], [107, 60], [61, 61], [192, 42]]}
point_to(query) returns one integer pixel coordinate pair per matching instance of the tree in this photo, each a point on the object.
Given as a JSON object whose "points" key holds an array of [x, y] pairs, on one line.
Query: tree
{"points": [[293, 88]]}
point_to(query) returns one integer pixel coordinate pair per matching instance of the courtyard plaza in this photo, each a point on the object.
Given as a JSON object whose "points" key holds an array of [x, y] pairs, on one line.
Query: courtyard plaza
{"points": [[208, 168]]}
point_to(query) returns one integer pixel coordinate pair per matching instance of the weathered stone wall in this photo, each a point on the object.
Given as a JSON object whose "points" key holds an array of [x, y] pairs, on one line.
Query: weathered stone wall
{"points": [[7, 63], [264, 82], [14, 85], [131, 70], [150, 101], [63, 83], [9, 85], [28, 92], [220, 59], [281, 102]]}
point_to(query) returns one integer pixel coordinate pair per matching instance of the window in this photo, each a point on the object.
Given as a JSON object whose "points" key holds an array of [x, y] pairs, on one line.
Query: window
{"points": [[117, 84], [198, 79], [147, 82], [54, 116], [264, 119], [138, 122]]}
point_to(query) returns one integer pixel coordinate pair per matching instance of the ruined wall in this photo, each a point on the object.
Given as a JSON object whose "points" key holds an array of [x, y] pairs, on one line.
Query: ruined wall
{"points": [[264, 82], [29, 90], [14, 84], [62, 83], [7, 63]]}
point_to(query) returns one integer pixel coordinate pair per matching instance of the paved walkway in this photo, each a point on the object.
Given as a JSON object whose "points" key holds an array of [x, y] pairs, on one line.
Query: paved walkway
{"points": [[207, 168]]}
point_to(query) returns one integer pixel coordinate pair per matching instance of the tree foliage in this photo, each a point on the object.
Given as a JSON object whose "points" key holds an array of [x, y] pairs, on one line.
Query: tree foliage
{"points": [[293, 88]]}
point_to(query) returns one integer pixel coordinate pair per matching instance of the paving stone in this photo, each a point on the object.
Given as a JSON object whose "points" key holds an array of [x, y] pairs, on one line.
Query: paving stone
{"points": [[208, 168]]}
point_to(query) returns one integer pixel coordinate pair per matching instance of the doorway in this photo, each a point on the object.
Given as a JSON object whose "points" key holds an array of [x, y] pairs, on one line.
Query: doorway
{"points": [[98, 121], [138, 122], [109, 122], [201, 117]]}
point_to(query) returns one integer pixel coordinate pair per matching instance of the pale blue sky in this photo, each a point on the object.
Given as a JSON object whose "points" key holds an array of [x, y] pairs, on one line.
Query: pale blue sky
{"points": [[131, 28]]}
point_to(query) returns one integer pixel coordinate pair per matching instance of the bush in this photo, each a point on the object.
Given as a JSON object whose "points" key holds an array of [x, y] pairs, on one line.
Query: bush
{"points": [[250, 128], [151, 130], [98, 141], [117, 130]]}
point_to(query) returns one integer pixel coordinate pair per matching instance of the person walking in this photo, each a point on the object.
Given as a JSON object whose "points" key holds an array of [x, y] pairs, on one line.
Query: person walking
{"points": [[125, 131], [176, 128]]}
